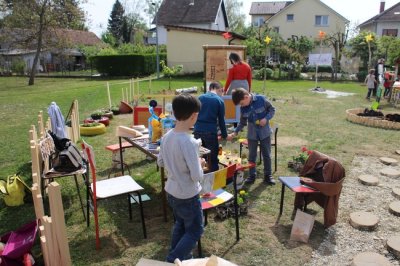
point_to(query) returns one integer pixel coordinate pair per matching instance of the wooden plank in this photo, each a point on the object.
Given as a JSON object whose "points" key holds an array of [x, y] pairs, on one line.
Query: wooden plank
{"points": [[57, 214], [34, 133], [35, 160], [37, 201], [43, 244], [51, 247], [41, 124]]}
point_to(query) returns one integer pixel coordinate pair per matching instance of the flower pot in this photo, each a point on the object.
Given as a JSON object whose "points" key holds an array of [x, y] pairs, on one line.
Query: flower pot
{"points": [[125, 108], [95, 116]]}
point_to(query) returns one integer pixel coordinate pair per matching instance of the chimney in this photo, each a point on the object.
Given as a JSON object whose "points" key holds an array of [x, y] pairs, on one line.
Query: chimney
{"points": [[382, 6]]}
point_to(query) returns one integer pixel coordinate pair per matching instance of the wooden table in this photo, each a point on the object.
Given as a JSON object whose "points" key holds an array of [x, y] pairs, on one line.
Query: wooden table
{"points": [[142, 144]]}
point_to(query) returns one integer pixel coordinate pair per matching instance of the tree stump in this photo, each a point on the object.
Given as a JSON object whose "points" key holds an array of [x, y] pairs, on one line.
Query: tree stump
{"points": [[390, 172], [388, 161], [396, 192], [394, 208], [363, 220], [393, 245], [368, 180], [370, 258]]}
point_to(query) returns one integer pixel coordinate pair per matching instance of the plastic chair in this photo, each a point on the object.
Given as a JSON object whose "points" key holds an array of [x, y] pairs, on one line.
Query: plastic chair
{"points": [[274, 143], [213, 194], [107, 188]]}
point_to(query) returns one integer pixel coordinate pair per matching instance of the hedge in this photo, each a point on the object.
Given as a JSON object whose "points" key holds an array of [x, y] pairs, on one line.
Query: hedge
{"points": [[127, 65]]}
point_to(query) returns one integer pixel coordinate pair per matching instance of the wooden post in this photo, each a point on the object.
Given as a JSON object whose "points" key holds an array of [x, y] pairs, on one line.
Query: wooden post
{"points": [[123, 99], [150, 86], [40, 124], [36, 173], [57, 214], [37, 202], [51, 244], [109, 96]]}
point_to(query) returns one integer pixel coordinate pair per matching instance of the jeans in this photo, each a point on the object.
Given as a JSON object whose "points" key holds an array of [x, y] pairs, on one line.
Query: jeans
{"points": [[210, 141], [265, 146], [369, 92], [188, 226]]}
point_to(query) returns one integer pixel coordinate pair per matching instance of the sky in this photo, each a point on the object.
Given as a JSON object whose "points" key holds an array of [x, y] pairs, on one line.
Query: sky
{"points": [[357, 11]]}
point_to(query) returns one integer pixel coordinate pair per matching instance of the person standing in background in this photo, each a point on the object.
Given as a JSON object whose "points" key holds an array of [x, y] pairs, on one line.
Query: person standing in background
{"points": [[371, 82], [239, 76], [212, 113]]}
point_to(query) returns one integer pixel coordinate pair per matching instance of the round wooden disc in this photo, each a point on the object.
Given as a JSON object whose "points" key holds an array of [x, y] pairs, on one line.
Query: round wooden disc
{"points": [[396, 192], [363, 220], [393, 245], [390, 172], [370, 258], [394, 208], [388, 161], [368, 180]]}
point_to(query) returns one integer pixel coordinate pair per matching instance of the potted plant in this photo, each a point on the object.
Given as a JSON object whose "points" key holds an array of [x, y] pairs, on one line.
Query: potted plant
{"points": [[107, 113], [96, 115], [300, 159], [115, 110]]}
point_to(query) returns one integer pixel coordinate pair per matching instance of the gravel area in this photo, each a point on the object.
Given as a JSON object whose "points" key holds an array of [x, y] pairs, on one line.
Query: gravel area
{"points": [[343, 242]]}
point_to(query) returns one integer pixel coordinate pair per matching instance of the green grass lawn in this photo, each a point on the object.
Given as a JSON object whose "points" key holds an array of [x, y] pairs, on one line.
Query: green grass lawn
{"points": [[304, 118]]}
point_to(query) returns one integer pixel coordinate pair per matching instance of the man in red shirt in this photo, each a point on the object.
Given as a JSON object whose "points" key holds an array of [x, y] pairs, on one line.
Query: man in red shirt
{"points": [[239, 76]]}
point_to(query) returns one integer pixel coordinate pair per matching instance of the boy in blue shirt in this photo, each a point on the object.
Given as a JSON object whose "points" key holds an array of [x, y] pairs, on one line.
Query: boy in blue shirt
{"points": [[255, 112], [179, 154], [212, 113]]}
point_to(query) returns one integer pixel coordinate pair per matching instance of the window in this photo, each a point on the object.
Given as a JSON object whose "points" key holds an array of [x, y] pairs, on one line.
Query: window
{"points": [[321, 20], [389, 32], [258, 22], [290, 17], [276, 29]]}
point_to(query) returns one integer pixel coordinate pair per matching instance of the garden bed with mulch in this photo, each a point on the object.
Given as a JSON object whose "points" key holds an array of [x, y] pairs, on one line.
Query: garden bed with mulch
{"points": [[380, 121]]}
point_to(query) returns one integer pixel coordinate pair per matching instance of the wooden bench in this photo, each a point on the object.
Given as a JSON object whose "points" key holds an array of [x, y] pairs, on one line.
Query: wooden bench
{"points": [[114, 148]]}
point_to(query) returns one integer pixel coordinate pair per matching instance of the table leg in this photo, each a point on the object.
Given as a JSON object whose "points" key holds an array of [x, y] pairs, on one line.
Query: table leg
{"points": [[235, 204], [163, 194], [281, 206]]}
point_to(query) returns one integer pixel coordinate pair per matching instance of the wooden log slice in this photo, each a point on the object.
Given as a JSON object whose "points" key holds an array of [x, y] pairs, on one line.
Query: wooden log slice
{"points": [[390, 172], [393, 245], [388, 161], [394, 208], [370, 258], [363, 220], [396, 192], [368, 180]]}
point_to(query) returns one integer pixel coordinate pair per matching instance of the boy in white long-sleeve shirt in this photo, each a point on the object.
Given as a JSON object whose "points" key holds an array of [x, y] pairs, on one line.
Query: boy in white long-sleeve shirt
{"points": [[179, 155]]}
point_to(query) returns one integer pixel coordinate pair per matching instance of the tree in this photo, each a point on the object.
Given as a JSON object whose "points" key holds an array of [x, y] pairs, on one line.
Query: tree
{"points": [[116, 22], [359, 47], [337, 41], [39, 21], [235, 16]]}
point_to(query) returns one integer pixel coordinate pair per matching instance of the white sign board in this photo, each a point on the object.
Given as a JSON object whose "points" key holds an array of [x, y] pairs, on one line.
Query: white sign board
{"points": [[320, 59]]}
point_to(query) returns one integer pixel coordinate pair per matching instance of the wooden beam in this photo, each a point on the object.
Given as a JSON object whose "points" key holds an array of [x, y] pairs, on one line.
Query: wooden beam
{"points": [[57, 214]]}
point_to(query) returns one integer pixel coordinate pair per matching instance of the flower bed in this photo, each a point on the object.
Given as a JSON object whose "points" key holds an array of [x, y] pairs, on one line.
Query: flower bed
{"points": [[371, 121]]}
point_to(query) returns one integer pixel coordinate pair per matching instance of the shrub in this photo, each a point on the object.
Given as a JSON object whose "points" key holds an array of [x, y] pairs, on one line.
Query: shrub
{"points": [[126, 65], [361, 75], [259, 75], [321, 68], [18, 66]]}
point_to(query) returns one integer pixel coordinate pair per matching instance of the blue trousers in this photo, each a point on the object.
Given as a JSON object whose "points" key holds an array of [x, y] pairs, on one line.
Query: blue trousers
{"points": [[265, 146], [210, 141], [188, 227]]}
